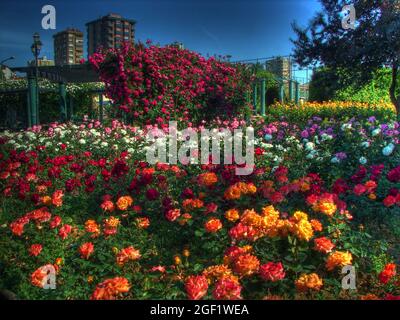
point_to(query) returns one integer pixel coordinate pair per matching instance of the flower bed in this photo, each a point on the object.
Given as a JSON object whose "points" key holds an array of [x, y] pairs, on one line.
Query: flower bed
{"points": [[82, 200], [338, 110]]}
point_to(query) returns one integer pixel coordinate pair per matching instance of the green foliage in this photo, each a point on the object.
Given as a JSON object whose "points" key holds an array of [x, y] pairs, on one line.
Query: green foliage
{"points": [[375, 91], [13, 101], [338, 85], [271, 86], [324, 84]]}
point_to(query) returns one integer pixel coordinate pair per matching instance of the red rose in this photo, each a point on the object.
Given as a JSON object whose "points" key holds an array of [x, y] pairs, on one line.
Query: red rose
{"points": [[211, 207], [227, 289], [86, 250], [259, 151], [312, 199], [389, 201], [35, 250], [173, 214], [55, 222], [394, 175], [152, 194], [276, 197], [196, 287], [272, 271], [64, 231], [387, 273], [359, 189]]}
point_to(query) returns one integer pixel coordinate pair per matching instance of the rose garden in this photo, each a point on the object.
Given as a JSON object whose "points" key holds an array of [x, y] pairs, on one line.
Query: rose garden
{"points": [[80, 199]]}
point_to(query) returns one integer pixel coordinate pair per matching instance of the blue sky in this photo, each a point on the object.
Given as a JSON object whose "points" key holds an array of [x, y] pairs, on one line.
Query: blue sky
{"points": [[244, 29]]}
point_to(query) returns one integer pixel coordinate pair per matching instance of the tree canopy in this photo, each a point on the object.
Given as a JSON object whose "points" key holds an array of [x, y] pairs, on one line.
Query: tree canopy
{"points": [[373, 43]]}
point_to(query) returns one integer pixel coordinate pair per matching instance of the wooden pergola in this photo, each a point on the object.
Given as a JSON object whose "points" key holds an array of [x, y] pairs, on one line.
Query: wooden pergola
{"points": [[62, 75]]}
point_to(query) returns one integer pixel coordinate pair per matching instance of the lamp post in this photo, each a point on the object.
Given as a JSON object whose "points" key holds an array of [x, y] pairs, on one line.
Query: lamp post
{"points": [[35, 48]]}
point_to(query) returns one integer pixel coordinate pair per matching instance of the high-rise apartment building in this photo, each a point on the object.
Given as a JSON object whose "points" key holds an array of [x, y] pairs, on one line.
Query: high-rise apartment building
{"points": [[68, 47], [109, 32], [178, 45], [280, 66]]}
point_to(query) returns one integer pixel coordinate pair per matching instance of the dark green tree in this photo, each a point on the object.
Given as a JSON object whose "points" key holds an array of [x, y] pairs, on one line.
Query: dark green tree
{"points": [[323, 85], [373, 43]]}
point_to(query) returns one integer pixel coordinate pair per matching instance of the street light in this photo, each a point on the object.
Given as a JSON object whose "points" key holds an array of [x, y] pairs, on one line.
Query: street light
{"points": [[37, 44], [5, 60], [35, 48]]}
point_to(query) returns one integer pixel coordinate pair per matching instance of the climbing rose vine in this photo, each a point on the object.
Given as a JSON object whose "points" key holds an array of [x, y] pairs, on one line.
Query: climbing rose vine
{"points": [[155, 84]]}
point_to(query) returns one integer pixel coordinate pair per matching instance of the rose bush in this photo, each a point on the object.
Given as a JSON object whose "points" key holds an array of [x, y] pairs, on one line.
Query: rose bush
{"points": [[157, 84]]}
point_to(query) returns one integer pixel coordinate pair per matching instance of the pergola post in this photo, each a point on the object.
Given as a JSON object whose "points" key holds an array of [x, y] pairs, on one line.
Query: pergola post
{"points": [[263, 97], [63, 101], [281, 92], [32, 101], [90, 111], [297, 92], [255, 97], [71, 107], [29, 104], [101, 107]]}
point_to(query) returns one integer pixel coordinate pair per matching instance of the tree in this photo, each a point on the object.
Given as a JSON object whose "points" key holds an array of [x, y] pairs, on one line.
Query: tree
{"points": [[327, 84], [323, 85], [373, 43]]}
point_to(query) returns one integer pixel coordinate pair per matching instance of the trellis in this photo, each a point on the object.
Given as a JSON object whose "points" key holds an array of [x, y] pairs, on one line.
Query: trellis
{"points": [[294, 93], [62, 75]]}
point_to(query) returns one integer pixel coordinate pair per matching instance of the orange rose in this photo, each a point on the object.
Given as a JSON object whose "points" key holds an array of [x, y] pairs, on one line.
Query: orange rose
{"points": [[251, 188], [46, 200], [123, 203], [323, 245], [213, 225], [143, 222], [369, 296], [207, 179], [251, 218], [316, 225], [232, 193], [126, 254], [92, 227], [191, 204], [232, 215], [309, 282], [214, 273], [246, 264], [338, 259], [57, 198], [325, 207], [110, 289], [111, 222]]}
